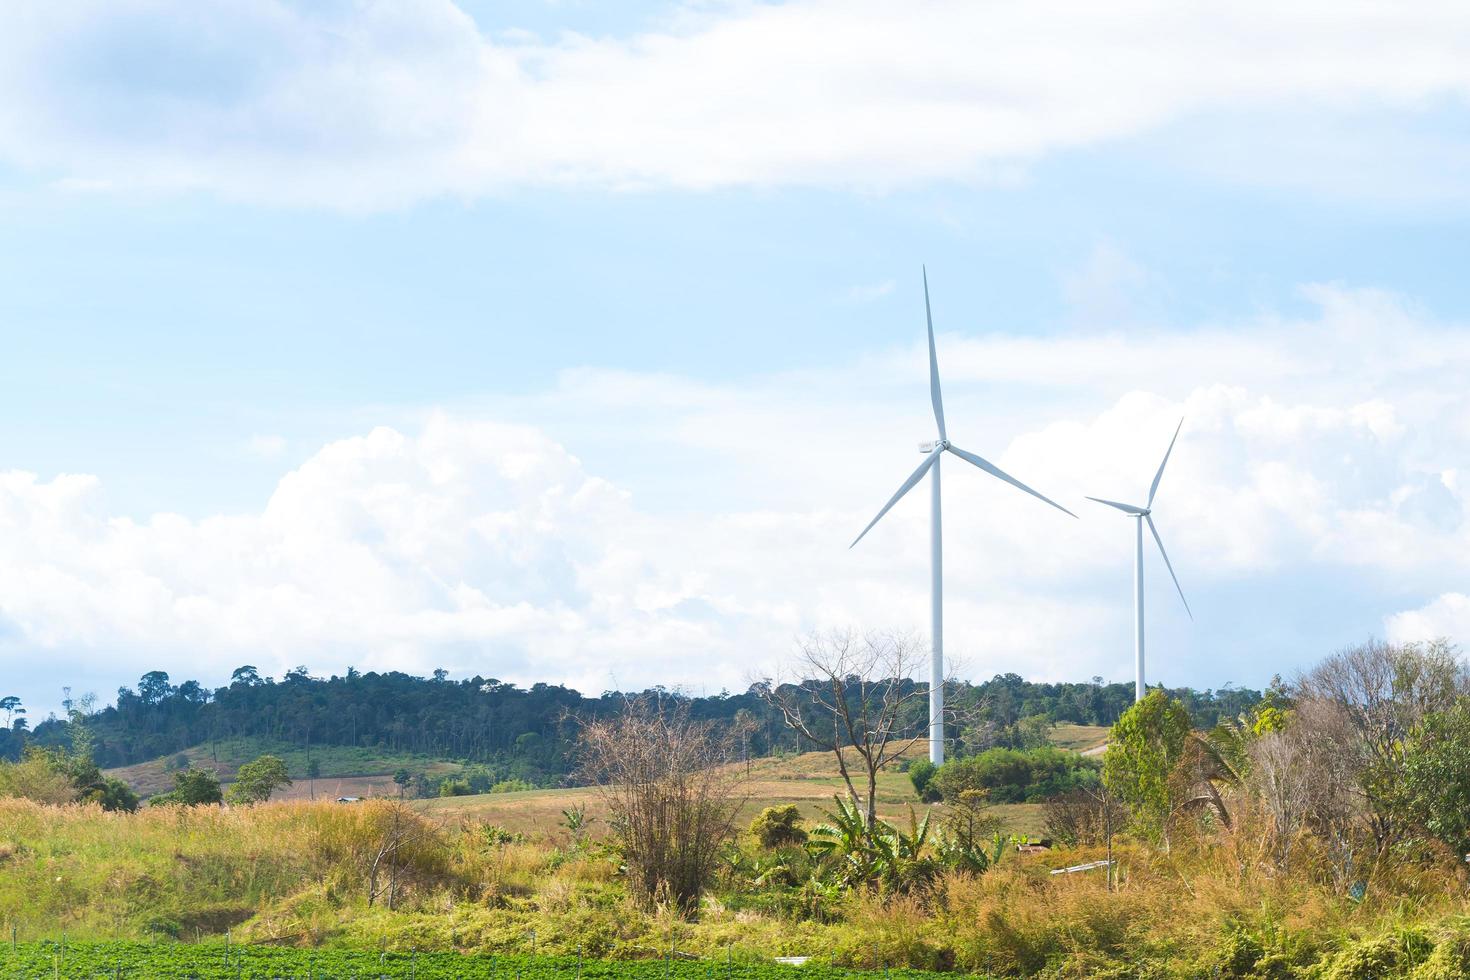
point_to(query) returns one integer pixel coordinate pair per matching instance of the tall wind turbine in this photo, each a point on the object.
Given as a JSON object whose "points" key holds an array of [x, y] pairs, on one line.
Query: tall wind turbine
{"points": [[1144, 515], [934, 450]]}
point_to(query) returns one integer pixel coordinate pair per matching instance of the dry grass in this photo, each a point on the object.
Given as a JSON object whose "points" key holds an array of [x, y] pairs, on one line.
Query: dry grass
{"points": [[809, 780], [296, 872]]}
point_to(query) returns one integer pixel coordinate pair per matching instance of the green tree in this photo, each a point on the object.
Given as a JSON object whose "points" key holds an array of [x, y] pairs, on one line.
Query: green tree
{"points": [[402, 778], [192, 787], [256, 781], [1435, 789], [1143, 749]]}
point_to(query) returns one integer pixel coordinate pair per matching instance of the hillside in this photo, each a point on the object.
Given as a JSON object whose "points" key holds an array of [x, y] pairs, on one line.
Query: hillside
{"points": [[344, 770]]}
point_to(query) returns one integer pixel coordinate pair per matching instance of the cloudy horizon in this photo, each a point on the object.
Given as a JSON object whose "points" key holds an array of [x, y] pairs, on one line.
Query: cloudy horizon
{"points": [[553, 344]]}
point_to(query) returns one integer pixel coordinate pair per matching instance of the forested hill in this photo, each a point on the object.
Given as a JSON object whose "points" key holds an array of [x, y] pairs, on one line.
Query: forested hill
{"points": [[485, 720]]}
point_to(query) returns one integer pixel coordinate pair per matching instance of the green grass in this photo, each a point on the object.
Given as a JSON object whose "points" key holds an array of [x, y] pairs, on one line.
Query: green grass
{"points": [[217, 961]]}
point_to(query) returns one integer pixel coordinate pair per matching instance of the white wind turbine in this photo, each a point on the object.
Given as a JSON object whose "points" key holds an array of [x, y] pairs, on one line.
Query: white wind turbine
{"points": [[1144, 515], [934, 450]]}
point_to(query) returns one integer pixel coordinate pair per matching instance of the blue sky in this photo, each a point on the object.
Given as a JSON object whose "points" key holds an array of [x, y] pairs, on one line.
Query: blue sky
{"points": [[575, 342]]}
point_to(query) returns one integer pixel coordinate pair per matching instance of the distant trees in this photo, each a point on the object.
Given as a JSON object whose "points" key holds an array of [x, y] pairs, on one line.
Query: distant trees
{"points": [[671, 801], [522, 733], [257, 780]]}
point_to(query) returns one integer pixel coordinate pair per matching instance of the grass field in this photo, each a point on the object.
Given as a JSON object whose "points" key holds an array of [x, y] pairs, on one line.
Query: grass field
{"points": [[1079, 738], [346, 770], [809, 780]]}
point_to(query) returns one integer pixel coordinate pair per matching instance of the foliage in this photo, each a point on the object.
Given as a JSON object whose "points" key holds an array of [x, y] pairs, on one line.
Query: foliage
{"points": [[1011, 776], [256, 781], [59, 774], [778, 826], [1435, 790], [216, 961], [1143, 749], [192, 787], [921, 772]]}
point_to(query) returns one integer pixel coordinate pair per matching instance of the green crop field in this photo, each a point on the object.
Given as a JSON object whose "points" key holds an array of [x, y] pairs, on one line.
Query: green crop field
{"points": [[217, 961]]}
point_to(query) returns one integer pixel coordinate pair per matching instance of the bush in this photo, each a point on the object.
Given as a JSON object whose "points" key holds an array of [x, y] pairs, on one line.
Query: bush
{"points": [[1016, 776], [921, 773], [778, 826], [192, 787]]}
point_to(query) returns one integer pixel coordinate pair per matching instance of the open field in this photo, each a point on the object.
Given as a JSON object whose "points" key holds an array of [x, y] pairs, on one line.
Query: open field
{"points": [[357, 771], [809, 780], [1078, 738]]}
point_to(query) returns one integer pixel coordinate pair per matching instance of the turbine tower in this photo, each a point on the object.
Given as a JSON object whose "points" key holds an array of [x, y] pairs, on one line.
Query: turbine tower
{"points": [[1144, 515], [936, 579]]}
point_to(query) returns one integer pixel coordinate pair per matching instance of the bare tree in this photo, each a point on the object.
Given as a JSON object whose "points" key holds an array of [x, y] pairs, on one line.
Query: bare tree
{"points": [[1331, 763], [852, 700], [672, 802], [1280, 775], [1383, 692], [398, 835]]}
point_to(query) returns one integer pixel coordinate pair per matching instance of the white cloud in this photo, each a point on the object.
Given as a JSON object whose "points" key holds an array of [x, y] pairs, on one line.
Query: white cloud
{"points": [[265, 446], [1447, 615], [1311, 499], [365, 106]]}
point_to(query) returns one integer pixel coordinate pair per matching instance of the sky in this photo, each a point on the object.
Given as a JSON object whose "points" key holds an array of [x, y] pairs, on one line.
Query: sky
{"points": [[574, 342]]}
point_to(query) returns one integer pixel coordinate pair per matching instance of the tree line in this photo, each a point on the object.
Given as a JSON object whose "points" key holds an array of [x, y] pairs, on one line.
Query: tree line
{"points": [[530, 733]]}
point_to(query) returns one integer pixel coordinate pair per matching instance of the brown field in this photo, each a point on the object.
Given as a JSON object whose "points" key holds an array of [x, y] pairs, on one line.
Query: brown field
{"points": [[809, 780], [1087, 739]]}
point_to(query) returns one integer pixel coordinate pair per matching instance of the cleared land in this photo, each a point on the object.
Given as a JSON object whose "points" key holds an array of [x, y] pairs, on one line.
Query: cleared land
{"points": [[809, 780], [346, 770]]}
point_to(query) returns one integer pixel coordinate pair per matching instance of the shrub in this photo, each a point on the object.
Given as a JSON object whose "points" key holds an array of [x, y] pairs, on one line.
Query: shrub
{"points": [[1016, 776], [192, 787], [921, 773], [778, 826]]}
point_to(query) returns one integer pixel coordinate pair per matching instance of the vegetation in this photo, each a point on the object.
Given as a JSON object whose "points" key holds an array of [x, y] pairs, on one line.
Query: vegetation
{"points": [[192, 787], [256, 781], [1014, 775], [371, 723], [218, 961], [1316, 834]]}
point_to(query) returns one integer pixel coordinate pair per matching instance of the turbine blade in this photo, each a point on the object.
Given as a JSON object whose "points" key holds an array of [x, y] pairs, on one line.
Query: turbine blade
{"points": [[1001, 474], [933, 364], [1160, 542], [908, 485], [1160, 474], [1125, 508]]}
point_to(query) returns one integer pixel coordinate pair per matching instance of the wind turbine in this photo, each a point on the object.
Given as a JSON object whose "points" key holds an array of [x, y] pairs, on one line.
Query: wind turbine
{"points": [[934, 450], [1144, 515]]}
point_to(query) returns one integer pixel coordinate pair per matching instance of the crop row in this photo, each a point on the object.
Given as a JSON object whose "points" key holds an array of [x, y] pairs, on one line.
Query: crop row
{"points": [[217, 961]]}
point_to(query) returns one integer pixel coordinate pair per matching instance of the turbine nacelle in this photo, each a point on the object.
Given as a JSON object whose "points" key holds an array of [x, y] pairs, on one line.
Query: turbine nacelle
{"points": [[934, 445]]}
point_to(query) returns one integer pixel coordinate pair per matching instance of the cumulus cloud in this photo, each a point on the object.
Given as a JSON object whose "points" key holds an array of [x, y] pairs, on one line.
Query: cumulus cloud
{"points": [[366, 106], [1312, 499]]}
